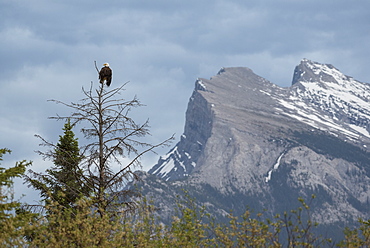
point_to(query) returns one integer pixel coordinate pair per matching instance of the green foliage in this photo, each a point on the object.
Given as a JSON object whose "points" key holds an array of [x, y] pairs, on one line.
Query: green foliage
{"points": [[14, 223], [247, 232], [189, 227], [84, 226], [64, 182], [66, 171], [357, 237], [87, 228], [6, 181]]}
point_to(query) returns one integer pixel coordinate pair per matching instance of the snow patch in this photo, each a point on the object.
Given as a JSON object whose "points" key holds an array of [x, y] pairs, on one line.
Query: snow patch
{"points": [[201, 84], [360, 130], [172, 161], [323, 104], [264, 92], [275, 167], [165, 168], [165, 157], [188, 155]]}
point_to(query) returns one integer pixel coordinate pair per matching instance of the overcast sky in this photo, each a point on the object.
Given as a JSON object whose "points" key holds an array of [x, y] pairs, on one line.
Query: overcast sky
{"points": [[48, 49]]}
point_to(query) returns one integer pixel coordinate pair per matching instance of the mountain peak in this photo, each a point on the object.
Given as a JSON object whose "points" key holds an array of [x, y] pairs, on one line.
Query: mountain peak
{"points": [[267, 145], [321, 97], [339, 103], [310, 71]]}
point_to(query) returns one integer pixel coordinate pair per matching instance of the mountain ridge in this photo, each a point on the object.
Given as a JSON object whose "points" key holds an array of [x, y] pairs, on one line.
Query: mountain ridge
{"points": [[291, 93], [254, 143]]}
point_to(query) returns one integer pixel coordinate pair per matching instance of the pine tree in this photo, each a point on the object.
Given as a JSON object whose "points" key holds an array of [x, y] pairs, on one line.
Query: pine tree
{"points": [[14, 224], [66, 170], [6, 182], [63, 183]]}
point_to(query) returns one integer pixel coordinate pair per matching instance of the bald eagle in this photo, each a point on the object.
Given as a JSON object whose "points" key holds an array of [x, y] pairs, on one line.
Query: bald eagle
{"points": [[105, 74]]}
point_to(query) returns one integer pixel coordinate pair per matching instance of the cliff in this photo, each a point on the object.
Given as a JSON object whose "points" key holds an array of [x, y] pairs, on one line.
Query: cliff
{"points": [[248, 142]]}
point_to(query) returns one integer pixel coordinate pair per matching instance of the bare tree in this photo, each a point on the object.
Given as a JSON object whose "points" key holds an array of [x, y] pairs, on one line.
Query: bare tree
{"points": [[114, 138]]}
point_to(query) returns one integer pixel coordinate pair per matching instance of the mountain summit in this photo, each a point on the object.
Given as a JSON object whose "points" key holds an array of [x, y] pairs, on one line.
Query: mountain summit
{"points": [[249, 142]]}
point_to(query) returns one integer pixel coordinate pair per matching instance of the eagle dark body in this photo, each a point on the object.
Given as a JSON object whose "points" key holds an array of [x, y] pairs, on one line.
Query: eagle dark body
{"points": [[105, 74]]}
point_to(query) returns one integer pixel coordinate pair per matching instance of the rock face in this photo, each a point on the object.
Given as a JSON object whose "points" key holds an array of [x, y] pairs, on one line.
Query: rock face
{"points": [[248, 142]]}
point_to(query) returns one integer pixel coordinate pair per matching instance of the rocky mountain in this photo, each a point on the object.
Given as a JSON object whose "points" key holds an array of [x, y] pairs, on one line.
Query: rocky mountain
{"points": [[249, 142]]}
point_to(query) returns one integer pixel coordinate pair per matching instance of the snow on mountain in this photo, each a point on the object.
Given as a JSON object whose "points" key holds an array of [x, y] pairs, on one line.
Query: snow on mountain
{"points": [[325, 98], [171, 162], [275, 167], [249, 142], [320, 96]]}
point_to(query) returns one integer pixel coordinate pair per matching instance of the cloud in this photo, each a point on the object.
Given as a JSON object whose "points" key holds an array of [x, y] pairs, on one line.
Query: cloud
{"points": [[48, 51]]}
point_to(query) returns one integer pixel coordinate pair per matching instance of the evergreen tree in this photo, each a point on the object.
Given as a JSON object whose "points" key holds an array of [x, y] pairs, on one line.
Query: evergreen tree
{"points": [[63, 183], [6, 182], [14, 223], [66, 171]]}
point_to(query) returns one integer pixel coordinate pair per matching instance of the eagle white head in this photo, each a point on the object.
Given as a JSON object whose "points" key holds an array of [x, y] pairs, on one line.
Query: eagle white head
{"points": [[106, 64]]}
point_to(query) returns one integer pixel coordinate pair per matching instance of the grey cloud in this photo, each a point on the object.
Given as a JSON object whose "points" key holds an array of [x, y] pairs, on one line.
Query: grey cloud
{"points": [[47, 50]]}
